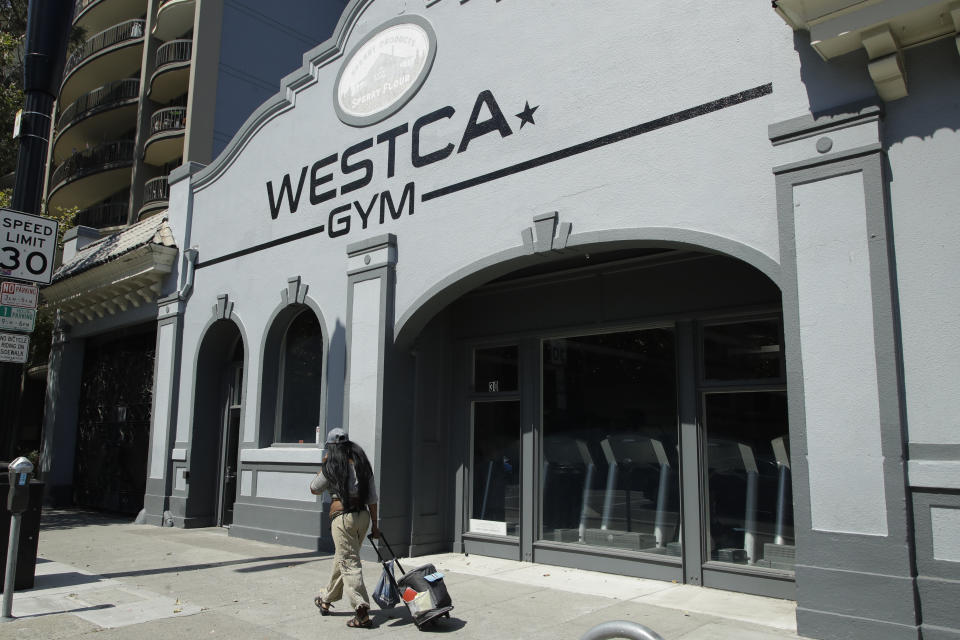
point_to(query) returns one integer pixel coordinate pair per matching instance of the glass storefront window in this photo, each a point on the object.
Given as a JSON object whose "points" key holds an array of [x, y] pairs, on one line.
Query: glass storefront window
{"points": [[301, 379], [496, 468], [742, 350], [750, 507], [496, 369], [609, 467]]}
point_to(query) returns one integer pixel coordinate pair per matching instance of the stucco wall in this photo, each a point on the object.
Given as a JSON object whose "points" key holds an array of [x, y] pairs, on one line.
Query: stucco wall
{"points": [[709, 174], [922, 139]]}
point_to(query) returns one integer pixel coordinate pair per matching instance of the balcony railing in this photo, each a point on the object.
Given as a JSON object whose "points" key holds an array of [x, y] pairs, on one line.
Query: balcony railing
{"points": [[174, 51], [102, 97], [156, 190], [99, 216], [80, 5], [99, 158], [168, 119], [129, 30]]}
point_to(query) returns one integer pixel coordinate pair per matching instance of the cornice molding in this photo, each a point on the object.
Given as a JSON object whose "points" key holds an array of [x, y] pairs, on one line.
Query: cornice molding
{"points": [[132, 280], [883, 28]]}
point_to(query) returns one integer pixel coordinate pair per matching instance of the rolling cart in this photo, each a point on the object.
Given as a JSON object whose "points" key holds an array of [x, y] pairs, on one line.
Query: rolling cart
{"points": [[422, 589]]}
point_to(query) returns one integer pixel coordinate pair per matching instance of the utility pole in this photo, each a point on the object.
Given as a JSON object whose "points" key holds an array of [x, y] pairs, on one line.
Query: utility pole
{"points": [[48, 27]]}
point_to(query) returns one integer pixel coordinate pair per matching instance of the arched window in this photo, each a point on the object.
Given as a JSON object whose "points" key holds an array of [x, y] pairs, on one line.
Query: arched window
{"points": [[300, 380]]}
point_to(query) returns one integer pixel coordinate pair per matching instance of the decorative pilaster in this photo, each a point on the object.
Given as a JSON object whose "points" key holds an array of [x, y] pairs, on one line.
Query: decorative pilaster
{"points": [[163, 422], [60, 414], [377, 394], [853, 522]]}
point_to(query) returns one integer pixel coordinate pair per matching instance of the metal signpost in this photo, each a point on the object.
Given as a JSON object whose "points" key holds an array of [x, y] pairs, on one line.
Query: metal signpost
{"points": [[27, 247]]}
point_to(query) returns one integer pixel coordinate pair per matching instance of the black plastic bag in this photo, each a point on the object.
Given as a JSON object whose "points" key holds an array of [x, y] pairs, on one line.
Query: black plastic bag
{"points": [[384, 594]]}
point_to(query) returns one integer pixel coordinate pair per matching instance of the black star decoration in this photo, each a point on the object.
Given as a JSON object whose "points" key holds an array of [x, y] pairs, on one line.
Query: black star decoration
{"points": [[527, 114]]}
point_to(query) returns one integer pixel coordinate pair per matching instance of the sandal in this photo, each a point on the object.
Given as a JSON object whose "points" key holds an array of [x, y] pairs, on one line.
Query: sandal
{"points": [[362, 619], [323, 606]]}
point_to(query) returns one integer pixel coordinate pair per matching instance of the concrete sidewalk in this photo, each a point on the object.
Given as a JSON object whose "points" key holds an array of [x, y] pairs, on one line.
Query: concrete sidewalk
{"points": [[105, 576]]}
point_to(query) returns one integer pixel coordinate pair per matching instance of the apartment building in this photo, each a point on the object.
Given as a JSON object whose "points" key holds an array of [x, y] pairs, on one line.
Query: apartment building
{"points": [[157, 83]]}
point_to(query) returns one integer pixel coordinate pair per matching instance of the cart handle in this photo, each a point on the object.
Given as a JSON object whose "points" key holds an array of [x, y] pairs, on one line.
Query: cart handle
{"points": [[389, 548]]}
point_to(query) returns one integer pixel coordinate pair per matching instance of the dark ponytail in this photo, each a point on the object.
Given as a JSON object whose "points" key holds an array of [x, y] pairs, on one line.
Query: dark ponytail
{"points": [[336, 468], [363, 469]]}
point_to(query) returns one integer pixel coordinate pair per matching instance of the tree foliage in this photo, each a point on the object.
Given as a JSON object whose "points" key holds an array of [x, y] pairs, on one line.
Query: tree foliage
{"points": [[13, 26], [13, 29]]}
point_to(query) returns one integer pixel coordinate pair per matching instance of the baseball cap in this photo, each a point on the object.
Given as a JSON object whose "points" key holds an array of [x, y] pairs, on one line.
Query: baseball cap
{"points": [[336, 435]]}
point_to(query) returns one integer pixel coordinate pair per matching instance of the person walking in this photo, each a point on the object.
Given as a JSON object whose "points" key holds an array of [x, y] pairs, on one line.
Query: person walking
{"points": [[346, 474]]}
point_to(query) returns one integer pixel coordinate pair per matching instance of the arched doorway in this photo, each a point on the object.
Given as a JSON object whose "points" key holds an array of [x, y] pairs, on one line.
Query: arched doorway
{"points": [[622, 410], [218, 410]]}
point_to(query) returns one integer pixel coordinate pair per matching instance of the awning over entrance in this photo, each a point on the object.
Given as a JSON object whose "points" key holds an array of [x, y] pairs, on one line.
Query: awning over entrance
{"points": [[114, 273]]}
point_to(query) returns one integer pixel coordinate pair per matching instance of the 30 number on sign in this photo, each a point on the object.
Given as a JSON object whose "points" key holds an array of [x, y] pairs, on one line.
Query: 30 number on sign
{"points": [[35, 262]]}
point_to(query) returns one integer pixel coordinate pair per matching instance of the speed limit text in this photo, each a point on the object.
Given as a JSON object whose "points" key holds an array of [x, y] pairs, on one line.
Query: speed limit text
{"points": [[27, 233]]}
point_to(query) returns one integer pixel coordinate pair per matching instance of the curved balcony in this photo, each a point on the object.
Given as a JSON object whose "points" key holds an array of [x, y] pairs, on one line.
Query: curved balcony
{"points": [[96, 116], [156, 190], [167, 128], [89, 176], [113, 53], [174, 18], [97, 15], [156, 195], [100, 216], [171, 77]]}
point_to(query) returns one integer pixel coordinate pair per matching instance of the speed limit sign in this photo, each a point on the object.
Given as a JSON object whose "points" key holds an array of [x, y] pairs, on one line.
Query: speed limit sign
{"points": [[27, 246]]}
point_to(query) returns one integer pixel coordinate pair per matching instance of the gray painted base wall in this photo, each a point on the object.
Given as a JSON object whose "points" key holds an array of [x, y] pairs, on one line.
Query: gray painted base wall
{"points": [[178, 504], [884, 598], [314, 543], [939, 598], [597, 560], [306, 528], [818, 624], [153, 508], [931, 632], [192, 523]]}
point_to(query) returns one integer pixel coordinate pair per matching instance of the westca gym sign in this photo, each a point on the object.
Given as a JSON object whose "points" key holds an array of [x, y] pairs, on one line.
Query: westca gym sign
{"points": [[327, 180], [382, 73]]}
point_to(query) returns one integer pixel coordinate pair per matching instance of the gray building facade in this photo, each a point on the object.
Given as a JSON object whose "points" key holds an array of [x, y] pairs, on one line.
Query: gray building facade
{"points": [[650, 290]]}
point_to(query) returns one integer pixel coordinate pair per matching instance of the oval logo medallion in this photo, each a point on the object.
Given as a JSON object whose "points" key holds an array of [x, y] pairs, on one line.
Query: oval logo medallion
{"points": [[384, 71]]}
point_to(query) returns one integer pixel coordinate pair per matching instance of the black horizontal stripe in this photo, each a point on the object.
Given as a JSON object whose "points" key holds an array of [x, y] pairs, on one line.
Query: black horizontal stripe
{"points": [[260, 247], [602, 141]]}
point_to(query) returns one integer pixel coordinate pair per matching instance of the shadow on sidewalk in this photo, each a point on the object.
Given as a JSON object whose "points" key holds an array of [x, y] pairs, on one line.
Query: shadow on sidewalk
{"points": [[97, 607], [275, 562], [73, 518], [399, 617], [56, 519]]}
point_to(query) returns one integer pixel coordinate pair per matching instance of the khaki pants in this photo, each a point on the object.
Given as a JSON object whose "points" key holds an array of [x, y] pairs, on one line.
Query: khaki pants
{"points": [[348, 531]]}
